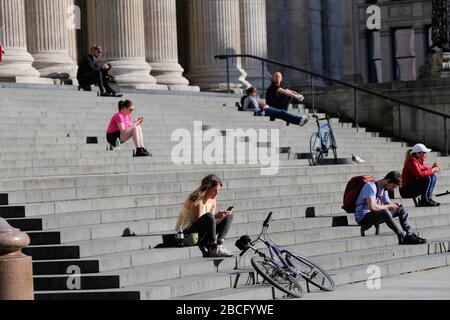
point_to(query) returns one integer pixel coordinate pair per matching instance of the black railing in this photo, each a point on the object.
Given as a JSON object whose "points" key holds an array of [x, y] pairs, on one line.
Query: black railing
{"points": [[355, 88]]}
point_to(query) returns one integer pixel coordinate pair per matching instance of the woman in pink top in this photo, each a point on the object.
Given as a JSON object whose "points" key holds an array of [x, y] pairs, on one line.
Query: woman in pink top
{"points": [[123, 128]]}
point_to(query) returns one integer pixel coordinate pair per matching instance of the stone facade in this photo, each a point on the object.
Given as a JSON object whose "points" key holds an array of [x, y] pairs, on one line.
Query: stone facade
{"points": [[171, 44]]}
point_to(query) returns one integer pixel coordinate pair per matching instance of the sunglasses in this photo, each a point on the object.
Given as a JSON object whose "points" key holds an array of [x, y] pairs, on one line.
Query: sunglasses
{"points": [[131, 110]]}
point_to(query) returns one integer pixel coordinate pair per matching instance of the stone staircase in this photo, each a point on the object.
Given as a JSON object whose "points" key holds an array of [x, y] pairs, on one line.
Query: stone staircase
{"points": [[77, 201]]}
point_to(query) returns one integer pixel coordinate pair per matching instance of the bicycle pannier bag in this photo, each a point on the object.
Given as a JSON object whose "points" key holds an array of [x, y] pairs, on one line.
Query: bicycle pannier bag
{"points": [[353, 190]]}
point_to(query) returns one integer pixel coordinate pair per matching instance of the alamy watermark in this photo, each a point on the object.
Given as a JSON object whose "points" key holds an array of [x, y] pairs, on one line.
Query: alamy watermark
{"points": [[73, 17], [374, 280], [374, 17], [230, 146], [74, 280]]}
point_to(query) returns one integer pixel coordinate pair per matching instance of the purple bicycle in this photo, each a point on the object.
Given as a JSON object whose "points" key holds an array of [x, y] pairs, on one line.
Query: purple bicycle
{"points": [[284, 269]]}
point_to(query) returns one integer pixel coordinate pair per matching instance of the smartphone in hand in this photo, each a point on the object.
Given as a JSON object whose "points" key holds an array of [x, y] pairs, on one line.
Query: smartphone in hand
{"points": [[230, 209]]}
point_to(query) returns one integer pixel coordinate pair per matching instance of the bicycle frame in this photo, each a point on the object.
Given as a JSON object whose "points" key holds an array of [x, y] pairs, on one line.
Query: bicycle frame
{"points": [[275, 253], [320, 128]]}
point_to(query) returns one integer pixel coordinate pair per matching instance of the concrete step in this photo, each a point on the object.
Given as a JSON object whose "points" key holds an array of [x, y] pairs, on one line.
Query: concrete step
{"points": [[89, 295]]}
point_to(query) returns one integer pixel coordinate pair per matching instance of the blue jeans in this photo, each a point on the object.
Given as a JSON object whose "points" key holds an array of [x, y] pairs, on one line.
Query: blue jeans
{"points": [[378, 217], [283, 115], [423, 187]]}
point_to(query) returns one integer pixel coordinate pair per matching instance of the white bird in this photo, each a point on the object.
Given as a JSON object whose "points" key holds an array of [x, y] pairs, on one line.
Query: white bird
{"points": [[357, 159]]}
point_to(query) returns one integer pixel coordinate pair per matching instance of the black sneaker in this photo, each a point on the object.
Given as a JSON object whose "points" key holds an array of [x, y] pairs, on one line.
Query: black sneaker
{"points": [[415, 236], [410, 240], [427, 203], [141, 153], [148, 153], [437, 204]]}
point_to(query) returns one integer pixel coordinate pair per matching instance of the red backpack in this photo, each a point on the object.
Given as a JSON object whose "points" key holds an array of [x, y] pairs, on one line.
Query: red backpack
{"points": [[353, 190]]}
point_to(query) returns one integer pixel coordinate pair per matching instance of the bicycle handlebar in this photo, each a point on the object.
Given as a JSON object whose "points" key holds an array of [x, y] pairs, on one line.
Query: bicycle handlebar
{"points": [[318, 119], [266, 222], [244, 252]]}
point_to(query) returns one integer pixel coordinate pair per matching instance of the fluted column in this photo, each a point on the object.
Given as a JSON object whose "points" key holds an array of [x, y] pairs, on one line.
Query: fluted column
{"points": [[17, 62], [160, 18], [214, 28], [74, 14], [118, 26], [47, 38], [254, 41]]}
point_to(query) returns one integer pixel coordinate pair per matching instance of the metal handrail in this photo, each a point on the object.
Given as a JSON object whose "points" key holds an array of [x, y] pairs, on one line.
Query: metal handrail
{"points": [[346, 84]]}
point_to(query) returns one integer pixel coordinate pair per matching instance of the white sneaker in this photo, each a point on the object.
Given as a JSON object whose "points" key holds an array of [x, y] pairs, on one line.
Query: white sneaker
{"points": [[220, 252], [300, 98], [304, 121], [227, 252]]}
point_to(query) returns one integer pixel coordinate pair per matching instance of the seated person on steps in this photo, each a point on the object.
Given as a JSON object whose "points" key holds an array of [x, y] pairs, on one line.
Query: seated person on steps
{"points": [[373, 207], [198, 215], [418, 178], [123, 128], [261, 109], [278, 96], [91, 73]]}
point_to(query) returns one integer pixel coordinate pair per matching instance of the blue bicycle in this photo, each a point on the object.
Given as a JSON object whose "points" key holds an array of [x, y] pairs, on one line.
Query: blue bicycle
{"points": [[282, 268], [322, 141]]}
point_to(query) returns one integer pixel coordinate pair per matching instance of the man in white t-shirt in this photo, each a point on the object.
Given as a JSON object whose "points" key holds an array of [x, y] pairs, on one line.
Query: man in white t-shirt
{"points": [[374, 207]]}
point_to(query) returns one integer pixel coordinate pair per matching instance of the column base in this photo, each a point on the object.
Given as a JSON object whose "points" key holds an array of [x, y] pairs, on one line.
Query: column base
{"points": [[32, 80], [214, 79], [134, 73], [55, 65], [168, 73], [184, 88], [145, 86]]}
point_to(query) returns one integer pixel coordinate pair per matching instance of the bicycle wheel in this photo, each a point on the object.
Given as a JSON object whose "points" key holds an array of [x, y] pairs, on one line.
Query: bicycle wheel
{"points": [[277, 277], [315, 149], [333, 145], [310, 271]]}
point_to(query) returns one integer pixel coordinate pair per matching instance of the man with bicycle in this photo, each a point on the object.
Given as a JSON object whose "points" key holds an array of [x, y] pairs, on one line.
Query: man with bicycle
{"points": [[373, 207]]}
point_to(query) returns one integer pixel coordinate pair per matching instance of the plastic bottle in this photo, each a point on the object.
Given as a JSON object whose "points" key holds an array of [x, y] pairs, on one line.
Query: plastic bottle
{"points": [[117, 146], [180, 238]]}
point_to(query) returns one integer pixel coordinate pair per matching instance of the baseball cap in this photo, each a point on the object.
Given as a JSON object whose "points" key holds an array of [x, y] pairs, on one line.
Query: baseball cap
{"points": [[420, 148]]}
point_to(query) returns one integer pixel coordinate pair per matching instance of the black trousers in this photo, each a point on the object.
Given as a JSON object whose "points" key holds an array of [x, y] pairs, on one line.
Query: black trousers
{"points": [[207, 229], [102, 79], [385, 216], [282, 102]]}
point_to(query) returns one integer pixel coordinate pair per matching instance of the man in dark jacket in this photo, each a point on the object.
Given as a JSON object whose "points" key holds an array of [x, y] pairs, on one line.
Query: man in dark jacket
{"points": [[280, 97], [90, 72]]}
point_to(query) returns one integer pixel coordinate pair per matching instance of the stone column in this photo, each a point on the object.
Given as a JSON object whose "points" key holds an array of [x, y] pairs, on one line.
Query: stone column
{"points": [[47, 38], [386, 54], [118, 27], [214, 29], [162, 44], [16, 273], [254, 41], [73, 12], [17, 62]]}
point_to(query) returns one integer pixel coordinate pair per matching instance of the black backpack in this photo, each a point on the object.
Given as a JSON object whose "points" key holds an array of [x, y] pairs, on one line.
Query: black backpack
{"points": [[242, 103]]}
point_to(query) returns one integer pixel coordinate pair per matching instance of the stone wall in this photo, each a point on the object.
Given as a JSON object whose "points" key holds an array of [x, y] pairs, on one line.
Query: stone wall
{"points": [[416, 126]]}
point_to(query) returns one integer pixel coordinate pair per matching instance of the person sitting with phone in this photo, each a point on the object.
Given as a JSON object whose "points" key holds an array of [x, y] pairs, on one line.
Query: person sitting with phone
{"points": [[198, 215], [374, 207], [91, 73], [418, 178], [123, 128]]}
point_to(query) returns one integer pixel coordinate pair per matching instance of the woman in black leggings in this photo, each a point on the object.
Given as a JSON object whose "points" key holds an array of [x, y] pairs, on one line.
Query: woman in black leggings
{"points": [[198, 216]]}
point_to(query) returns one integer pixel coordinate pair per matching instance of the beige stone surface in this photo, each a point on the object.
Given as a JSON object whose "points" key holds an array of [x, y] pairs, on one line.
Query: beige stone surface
{"points": [[16, 274]]}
